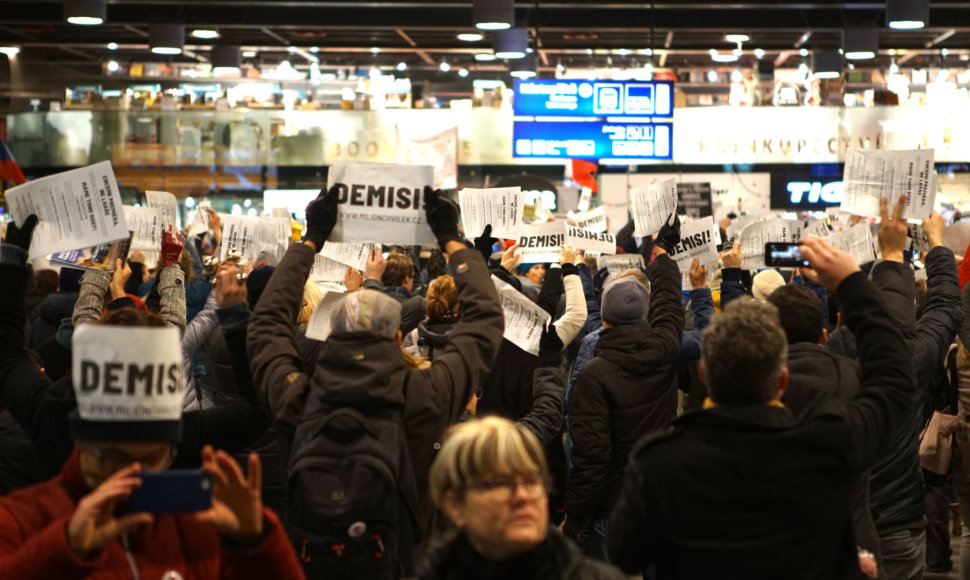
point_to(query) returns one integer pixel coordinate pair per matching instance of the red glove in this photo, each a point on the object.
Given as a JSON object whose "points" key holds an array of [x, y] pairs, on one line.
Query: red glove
{"points": [[172, 245]]}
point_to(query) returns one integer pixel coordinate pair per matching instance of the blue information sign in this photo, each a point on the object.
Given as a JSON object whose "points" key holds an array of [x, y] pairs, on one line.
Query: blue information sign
{"points": [[593, 140], [579, 98]]}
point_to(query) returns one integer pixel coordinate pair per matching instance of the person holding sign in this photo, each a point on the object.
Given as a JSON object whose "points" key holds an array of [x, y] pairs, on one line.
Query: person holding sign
{"points": [[361, 374], [627, 390]]}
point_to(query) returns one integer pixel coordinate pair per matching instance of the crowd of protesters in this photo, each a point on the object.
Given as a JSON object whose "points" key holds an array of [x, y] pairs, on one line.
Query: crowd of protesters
{"points": [[769, 426]]}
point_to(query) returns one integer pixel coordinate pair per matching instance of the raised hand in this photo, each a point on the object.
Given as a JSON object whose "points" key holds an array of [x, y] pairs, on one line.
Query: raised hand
{"points": [[698, 275], [829, 265], [237, 505], [321, 218], [94, 525], [21, 236], [229, 288], [893, 231]]}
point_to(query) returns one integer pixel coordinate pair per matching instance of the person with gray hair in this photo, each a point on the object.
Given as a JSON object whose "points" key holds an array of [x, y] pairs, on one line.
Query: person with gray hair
{"points": [[742, 489]]}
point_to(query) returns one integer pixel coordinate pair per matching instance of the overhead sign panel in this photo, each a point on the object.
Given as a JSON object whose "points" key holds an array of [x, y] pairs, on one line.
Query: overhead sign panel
{"points": [[581, 98], [594, 140]]}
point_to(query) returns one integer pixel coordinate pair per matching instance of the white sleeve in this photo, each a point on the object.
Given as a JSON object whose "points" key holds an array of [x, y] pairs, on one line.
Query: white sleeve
{"points": [[573, 319]]}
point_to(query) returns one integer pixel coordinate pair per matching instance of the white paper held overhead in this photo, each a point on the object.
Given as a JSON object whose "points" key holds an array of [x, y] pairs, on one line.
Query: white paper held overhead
{"points": [[524, 319], [501, 207], [652, 205]]}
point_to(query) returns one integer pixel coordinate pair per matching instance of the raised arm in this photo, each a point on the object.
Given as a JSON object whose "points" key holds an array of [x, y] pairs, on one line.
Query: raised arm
{"points": [[171, 281], [702, 305], [549, 381], [572, 320]]}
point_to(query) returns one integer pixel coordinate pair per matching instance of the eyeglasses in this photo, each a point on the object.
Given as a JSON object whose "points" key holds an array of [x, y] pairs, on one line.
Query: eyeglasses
{"points": [[502, 489]]}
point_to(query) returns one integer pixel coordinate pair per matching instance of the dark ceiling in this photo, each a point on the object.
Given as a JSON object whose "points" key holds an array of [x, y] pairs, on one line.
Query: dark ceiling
{"points": [[423, 33]]}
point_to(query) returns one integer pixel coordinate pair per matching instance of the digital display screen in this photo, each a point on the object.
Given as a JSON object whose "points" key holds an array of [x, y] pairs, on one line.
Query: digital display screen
{"points": [[592, 140], [580, 98]]}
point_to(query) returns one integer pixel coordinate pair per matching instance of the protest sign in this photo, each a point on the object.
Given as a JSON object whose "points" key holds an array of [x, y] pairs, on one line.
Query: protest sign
{"points": [[319, 326], [694, 200], [524, 319], [618, 264], [754, 238], [251, 235], [145, 224], [164, 202], [128, 373], [200, 223], [819, 229], [353, 255], [874, 174], [440, 151], [326, 270], [541, 242], [381, 202], [734, 229], [101, 257], [856, 241], [502, 207], [593, 220], [593, 242], [698, 239], [652, 205], [585, 196], [76, 209]]}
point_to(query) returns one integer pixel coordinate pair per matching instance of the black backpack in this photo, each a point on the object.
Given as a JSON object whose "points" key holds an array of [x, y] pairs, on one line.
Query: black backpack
{"points": [[351, 498]]}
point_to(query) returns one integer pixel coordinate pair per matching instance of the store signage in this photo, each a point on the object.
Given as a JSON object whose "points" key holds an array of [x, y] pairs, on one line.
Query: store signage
{"points": [[582, 98], [806, 187], [592, 140], [815, 192]]}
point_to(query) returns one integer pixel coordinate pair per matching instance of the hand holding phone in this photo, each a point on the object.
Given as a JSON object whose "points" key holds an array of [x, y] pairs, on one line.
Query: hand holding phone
{"points": [[784, 255]]}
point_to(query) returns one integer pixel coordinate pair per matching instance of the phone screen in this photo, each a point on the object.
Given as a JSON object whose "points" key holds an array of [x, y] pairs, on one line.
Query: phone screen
{"points": [[784, 254], [172, 491]]}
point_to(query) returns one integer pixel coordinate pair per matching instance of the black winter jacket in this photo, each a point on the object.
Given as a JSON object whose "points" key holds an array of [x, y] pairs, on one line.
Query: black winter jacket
{"points": [[627, 390], [716, 495], [55, 308]]}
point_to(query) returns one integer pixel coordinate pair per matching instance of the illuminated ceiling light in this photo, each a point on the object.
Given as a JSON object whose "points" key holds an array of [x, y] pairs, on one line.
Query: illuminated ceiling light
{"points": [[444, 66], [759, 54], [803, 52], [712, 76], [470, 37], [648, 68], [944, 52], [226, 59], [493, 14], [524, 68], [314, 49], [112, 46], [484, 57], [860, 43], [907, 14], [718, 57], [402, 66], [894, 68], [736, 38], [560, 68], [166, 38], [463, 72], [10, 50], [375, 50], [249, 54], [85, 12], [112, 66], [737, 76], [511, 43], [828, 64], [205, 33]]}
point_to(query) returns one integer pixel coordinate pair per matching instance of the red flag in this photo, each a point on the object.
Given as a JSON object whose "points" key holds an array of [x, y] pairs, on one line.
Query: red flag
{"points": [[9, 170], [582, 172]]}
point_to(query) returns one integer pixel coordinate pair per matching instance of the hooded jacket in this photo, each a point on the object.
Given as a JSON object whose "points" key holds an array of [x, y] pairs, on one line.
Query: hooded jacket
{"points": [[55, 308], [627, 390], [428, 338], [33, 542], [361, 369]]}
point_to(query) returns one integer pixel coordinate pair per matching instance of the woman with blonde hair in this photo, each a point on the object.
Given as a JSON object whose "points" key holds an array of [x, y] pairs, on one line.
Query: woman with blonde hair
{"points": [[491, 480]]}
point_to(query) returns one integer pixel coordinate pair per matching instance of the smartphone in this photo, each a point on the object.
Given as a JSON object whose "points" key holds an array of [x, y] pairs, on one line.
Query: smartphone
{"points": [[172, 491], [784, 254]]}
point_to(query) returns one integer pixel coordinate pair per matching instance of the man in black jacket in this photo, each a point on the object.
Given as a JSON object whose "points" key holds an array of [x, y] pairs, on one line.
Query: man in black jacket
{"points": [[627, 390], [742, 489]]}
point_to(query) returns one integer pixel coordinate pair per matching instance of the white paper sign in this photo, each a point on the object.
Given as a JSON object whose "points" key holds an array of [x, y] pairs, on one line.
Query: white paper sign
{"points": [[200, 223], [585, 196], [145, 223], [353, 255], [698, 239], [251, 235], [593, 220], [440, 151], [280, 212], [540, 243], [874, 174], [381, 202], [319, 326], [652, 205], [595, 242], [524, 319], [127, 373], [164, 202], [819, 229], [618, 264], [856, 241], [501, 207], [734, 229], [754, 238], [327, 270]]}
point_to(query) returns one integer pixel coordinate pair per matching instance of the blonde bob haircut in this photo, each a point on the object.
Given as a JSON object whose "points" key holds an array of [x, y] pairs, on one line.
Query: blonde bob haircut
{"points": [[481, 448]]}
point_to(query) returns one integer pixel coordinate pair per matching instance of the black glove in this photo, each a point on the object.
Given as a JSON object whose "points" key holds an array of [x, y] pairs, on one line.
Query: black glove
{"points": [[442, 216], [21, 236], [669, 235], [579, 533], [550, 347], [321, 217], [484, 243], [569, 269]]}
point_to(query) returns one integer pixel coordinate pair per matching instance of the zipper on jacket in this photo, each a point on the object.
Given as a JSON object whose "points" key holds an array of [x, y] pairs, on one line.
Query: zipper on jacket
{"points": [[131, 557]]}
